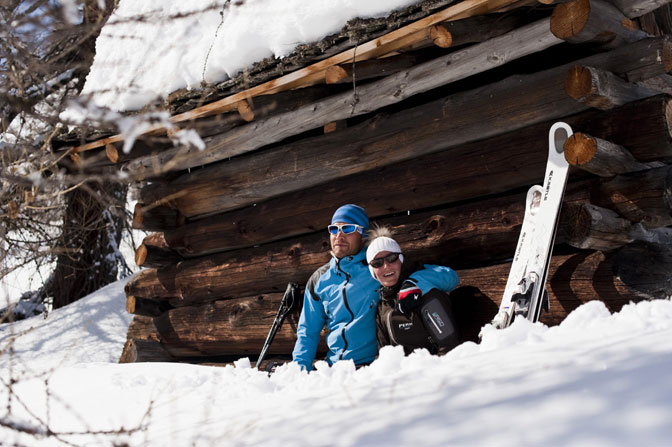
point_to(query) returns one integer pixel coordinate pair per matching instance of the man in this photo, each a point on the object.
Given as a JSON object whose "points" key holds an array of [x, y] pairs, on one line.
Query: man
{"points": [[343, 295]]}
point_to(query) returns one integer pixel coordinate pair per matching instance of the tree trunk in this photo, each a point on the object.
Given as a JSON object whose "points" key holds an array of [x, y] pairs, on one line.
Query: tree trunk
{"points": [[90, 235]]}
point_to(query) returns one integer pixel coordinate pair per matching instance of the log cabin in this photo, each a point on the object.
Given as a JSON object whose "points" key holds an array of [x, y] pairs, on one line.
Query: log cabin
{"points": [[435, 120]]}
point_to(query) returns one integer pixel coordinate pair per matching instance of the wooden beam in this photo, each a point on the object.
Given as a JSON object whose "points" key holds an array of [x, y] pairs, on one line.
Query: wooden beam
{"points": [[112, 153], [235, 326], [644, 196], [645, 267], [485, 27], [156, 217], [374, 68], [145, 307], [335, 125], [390, 90], [239, 326], [601, 157], [137, 351], [390, 42], [640, 197], [142, 328], [424, 129], [637, 8], [594, 21], [588, 226], [465, 172], [155, 252], [245, 110], [573, 280], [602, 89]]}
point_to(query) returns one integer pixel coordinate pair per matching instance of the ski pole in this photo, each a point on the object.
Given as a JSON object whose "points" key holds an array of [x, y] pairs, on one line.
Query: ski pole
{"points": [[286, 305]]}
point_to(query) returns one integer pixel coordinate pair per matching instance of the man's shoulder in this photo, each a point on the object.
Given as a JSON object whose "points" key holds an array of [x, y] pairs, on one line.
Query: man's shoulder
{"points": [[315, 278]]}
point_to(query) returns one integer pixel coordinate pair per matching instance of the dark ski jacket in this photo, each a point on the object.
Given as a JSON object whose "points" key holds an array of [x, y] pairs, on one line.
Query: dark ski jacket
{"points": [[343, 296], [386, 305]]}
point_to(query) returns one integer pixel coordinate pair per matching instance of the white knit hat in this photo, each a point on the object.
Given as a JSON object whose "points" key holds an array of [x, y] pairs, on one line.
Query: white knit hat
{"points": [[382, 243]]}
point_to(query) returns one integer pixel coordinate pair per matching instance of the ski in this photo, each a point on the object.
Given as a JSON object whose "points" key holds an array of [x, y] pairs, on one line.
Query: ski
{"points": [[525, 292]]}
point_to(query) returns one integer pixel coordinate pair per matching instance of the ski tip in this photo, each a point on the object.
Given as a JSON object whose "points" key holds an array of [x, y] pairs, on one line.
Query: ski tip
{"points": [[558, 134]]}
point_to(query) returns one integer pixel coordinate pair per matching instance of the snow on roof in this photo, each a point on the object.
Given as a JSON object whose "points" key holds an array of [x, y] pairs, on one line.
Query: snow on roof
{"points": [[151, 48]]}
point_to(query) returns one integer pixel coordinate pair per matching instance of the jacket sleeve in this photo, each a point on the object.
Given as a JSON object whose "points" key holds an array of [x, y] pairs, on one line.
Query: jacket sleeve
{"points": [[311, 322], [435, 277]]}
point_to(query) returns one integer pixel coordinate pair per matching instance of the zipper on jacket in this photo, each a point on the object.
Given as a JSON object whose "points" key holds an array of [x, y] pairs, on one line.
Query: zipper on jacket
{"points": [[347, 306]]}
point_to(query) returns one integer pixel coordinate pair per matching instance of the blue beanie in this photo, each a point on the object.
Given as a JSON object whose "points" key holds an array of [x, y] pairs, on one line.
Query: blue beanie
{"points": [[351, 214]]}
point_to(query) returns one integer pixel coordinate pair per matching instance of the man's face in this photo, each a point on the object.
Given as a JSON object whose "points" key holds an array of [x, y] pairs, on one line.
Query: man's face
{"points": [[345, 244]]}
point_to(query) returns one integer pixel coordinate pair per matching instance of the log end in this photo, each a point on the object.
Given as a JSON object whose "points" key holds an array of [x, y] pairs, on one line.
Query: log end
{"points": [[574, 225], [578, 82], [112, 153], [568, 19], [141, 255], [129, 353], [334, 126], [668, 116], [137, 216], [130, 304], [335, 74], [245, 111], [667, 55], [580, 149], [441, 37]]}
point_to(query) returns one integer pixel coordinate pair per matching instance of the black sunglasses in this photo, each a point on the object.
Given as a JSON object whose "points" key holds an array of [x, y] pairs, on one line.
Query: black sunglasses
{"points": [[378, 262]]}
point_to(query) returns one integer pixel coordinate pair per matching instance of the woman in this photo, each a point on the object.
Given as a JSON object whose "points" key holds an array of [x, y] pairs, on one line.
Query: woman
{"points": [[399, 316]]}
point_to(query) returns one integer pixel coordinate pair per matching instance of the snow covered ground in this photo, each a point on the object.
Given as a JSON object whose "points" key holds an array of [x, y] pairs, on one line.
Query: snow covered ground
{"points": [[596, 380]]}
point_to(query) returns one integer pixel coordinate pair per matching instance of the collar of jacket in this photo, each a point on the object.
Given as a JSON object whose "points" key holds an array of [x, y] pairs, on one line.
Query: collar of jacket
{"points": [[346, 261]]}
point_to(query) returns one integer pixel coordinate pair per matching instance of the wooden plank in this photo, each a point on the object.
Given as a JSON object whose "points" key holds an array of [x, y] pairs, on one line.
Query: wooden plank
{"points": [[392, 41], [390, 90]]}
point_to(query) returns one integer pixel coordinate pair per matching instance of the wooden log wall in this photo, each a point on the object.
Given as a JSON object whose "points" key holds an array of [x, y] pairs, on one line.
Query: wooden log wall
{"points": [[445, 165]]}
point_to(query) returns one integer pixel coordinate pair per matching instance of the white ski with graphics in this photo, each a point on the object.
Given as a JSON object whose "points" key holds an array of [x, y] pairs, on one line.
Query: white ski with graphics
{"points": [[525, 293]]}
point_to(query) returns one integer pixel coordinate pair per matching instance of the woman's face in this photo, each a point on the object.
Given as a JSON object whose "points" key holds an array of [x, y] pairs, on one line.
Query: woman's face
{"points": [[387, 274]]}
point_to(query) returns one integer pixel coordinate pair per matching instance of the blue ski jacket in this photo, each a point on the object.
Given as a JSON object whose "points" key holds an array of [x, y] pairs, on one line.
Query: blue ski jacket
{"points": [[343, 296]]}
